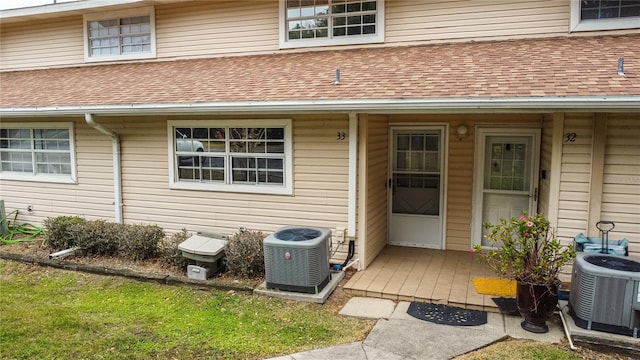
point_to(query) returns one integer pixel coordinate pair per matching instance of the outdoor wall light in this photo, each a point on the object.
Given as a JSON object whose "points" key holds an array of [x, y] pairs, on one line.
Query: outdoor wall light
{"points": [[462, 132]]}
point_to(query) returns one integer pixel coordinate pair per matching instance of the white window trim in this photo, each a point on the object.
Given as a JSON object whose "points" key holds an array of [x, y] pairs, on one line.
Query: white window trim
{"points": [[51, 178], [144, 11], [576, 24], [286, 189], [342, 40]]}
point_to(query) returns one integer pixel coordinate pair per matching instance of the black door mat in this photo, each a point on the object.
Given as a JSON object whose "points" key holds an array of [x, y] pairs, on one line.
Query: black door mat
{"points": [[507, 306], [447, 315]]}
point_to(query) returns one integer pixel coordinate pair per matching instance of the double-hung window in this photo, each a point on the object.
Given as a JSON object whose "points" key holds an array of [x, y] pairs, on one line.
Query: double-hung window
{"points": [[121, 35], [240, 155], [306, 23], [604, 14], [38, 151]]}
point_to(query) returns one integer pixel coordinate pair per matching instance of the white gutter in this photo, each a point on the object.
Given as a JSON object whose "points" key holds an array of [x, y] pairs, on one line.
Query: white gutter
{"points": [[353, 175], [117, 176], [459, 105]]}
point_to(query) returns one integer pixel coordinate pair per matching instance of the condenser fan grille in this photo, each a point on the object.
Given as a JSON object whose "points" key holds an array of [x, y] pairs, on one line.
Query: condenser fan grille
{"points": [[297, 234], [614, 263]]}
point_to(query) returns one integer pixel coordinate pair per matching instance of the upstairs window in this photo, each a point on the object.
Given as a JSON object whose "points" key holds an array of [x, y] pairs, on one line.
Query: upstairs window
{"points": [[604, 14], [240, 156], [306, 23], [39, 152], [120, 35]]}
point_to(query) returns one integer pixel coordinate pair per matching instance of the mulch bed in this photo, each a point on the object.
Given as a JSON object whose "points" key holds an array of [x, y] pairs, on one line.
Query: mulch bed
{"points": [[34, 252]]}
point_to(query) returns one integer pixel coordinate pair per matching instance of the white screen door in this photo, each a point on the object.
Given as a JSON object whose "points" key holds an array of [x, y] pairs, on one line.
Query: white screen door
{"points": [[506, 183], [416, 191]]}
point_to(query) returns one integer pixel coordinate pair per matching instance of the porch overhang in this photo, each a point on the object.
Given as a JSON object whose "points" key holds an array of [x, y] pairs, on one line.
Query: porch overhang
{"points": [[379, 106]]}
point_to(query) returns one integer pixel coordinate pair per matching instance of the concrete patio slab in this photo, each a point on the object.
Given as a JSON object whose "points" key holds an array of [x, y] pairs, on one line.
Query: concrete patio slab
{"points": [[368, 308], [320, 298]]}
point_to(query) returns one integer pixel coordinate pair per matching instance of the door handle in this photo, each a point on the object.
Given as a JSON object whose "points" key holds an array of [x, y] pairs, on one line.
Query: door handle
{"points": [[391, 185]]}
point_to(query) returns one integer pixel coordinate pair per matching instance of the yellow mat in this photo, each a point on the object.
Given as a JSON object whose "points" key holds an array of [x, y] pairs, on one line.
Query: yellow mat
{"points": [[496, 287]]}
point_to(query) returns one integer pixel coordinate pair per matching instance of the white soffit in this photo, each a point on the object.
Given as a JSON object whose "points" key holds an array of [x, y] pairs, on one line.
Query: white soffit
{"points": [[70, 8]]}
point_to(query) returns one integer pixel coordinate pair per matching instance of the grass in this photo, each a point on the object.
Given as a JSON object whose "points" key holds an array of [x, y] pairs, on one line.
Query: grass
{"points": [[522, 350], [55, 314]]}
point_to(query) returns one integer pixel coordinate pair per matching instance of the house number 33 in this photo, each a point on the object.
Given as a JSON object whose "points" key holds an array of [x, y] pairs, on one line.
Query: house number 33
{"points": [[570, 137], [341, 135]]}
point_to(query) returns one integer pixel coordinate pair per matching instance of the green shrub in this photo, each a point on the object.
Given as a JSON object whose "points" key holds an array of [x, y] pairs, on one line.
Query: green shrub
{"points": [[169, 252], [58, 233], [245, 254], [98, 237], [140, 242]]}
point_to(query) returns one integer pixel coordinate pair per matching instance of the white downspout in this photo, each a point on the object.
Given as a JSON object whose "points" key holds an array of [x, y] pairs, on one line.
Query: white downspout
{"points": [[353, 175], [117, 176]]}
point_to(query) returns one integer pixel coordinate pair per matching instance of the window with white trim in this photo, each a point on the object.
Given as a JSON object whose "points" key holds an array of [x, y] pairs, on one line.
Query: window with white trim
{"points": [[243, 156], [37, 152], [306, 23], [122, 35], [589, 15]]}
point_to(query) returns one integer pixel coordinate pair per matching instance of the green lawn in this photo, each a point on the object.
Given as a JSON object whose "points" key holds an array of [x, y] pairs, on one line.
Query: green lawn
{"points": [[523, 350], [47, 313]]}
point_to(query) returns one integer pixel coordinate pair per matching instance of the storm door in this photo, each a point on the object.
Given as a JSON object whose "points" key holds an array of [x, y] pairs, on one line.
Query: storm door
{"points": [[506, 176], [416, 187]]}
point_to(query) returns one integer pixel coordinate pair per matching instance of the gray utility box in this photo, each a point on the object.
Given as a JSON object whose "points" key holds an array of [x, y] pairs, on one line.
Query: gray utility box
{"points": [[605, 293], [208, 253], [198, 272]]}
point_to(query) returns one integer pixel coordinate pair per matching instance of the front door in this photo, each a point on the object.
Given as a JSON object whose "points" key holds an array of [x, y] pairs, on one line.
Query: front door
{"points": [[416, 187], [506, 183]]}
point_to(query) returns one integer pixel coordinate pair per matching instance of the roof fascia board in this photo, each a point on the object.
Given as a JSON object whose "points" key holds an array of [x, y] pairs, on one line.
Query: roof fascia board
{"points": [[61, 8], [538, 104]]}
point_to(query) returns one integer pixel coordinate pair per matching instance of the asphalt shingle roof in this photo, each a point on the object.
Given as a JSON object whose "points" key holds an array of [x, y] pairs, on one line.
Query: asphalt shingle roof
{"points": [[577, 66]]}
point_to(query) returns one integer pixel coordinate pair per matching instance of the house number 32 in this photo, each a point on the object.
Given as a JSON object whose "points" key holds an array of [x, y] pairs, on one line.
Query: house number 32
{"points": [[570, 137], [341, 135]]}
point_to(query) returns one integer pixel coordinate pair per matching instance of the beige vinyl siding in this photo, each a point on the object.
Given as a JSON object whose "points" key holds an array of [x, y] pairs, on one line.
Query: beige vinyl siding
{"points": [[460, 172], [546, 147], [194, 29], [56, 42], [413, 21], [216, 27], [621, 187], [575, 178], [374, 193], [320, 184], [91, 197]]}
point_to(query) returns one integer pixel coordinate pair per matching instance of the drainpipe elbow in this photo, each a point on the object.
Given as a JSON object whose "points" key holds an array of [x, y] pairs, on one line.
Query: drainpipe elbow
{"points": [[88, 117]]}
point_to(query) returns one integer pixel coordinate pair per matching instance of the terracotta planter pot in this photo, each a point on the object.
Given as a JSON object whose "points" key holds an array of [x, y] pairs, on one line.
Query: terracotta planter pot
{"points": [[536, 304]]}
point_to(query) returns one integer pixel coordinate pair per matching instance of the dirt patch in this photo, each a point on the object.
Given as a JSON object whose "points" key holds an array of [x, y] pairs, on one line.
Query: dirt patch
{"points": [[339, 296]]}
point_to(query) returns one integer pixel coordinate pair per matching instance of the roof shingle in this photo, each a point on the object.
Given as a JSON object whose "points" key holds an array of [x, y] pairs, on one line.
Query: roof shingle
{"points": [[556, 67]]}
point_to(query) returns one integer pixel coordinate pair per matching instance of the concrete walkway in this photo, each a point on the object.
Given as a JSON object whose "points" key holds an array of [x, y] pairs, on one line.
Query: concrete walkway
{"points": [[398, 335]]}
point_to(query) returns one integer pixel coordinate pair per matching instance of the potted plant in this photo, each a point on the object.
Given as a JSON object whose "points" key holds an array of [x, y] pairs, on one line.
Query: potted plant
{"points": [[526, 249]]}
